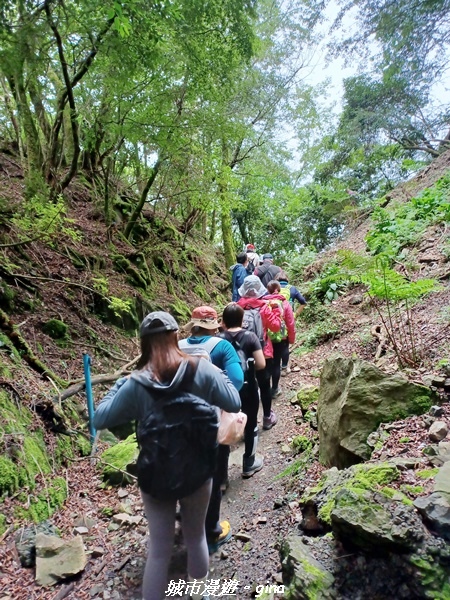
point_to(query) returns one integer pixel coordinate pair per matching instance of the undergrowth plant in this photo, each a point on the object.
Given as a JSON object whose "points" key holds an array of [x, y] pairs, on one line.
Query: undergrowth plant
{"points": [[45, 220], [398, 295]]}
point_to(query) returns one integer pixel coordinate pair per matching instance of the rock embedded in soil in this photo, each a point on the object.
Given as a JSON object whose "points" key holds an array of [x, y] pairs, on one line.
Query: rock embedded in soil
{"points": [[435, 509], [25, 540], [58, 559], [438, 431], [305, 576]]}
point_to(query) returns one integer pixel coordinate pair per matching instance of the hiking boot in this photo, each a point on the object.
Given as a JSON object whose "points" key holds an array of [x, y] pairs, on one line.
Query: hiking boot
{"points": [[269, 422], [285, 371], [251, 465], [276, 392], [221, 539]]}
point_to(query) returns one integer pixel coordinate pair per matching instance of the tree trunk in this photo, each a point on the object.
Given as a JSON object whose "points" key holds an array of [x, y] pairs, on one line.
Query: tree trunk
{"points": [[137, 211]]}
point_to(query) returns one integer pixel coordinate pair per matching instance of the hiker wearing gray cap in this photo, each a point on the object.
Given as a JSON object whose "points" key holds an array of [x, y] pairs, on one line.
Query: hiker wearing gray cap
{"points": [[267, 271], [172, 396]]}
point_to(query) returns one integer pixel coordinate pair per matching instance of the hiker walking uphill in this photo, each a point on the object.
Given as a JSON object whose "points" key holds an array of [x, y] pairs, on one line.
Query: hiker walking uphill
{"points": [[203, 326], [248, 346], [239, 271], [255, 307], [253, 258], [282, 338], [290, 292], [171, 390], [267, 271]]}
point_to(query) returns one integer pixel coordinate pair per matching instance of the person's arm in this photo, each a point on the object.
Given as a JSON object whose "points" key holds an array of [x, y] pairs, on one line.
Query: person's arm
{"points": [[119, 406], [240, 276], [212, 384], [299, 309], [260, 361]]}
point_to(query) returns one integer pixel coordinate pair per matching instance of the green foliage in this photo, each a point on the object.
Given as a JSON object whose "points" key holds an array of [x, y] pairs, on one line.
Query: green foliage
{"points": [[120, 306], [401, 224], [41, 218], [301, 444]]}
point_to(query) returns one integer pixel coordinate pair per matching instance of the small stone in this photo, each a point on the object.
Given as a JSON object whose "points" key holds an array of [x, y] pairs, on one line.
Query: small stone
{"points": [[223, 555], [285, 449], [438, 381], [293, 505], [447, 385], [81, 530], [436, 411], [438, 431], [97, 551], [244, 537], [84, 521], [96, 590], [278, 503], [262, 520], [113, 526], [122, 493]]}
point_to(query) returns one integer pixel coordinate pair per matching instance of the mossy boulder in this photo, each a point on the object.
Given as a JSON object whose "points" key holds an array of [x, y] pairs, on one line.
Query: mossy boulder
{"points": [[305, 577], [355, 397], [56, 329], [357, 479], [118, 458]]}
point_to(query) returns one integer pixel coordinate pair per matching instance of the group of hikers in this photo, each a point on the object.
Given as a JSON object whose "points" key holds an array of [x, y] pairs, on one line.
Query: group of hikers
{"points": [[176, 394]]}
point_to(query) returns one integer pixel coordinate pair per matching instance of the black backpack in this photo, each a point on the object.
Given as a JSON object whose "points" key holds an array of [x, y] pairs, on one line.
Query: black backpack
{"points": [[238, 347], [178, 443]]}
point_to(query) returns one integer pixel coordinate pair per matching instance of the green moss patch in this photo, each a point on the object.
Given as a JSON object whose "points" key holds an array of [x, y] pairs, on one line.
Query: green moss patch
{"points": [[56, 329], [427, 473], [356, 480], [305, 397], [44, 504], [118, 457]]}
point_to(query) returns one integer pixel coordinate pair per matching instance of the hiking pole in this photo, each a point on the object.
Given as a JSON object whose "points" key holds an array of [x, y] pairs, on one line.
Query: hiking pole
{"points": [[89, 396]]}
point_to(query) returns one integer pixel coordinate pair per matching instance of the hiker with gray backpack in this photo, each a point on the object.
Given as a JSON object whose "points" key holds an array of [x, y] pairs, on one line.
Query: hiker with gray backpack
{"points": [[260, 317], [173, 397]]}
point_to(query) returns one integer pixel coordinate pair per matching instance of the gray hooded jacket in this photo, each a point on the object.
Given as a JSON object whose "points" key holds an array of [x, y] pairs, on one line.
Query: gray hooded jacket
{"points": [[131, 399]]}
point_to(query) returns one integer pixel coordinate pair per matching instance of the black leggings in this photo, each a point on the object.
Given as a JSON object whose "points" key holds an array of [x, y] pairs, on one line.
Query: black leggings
{"points": [[280, 357], [250, 405], [263, 377]]}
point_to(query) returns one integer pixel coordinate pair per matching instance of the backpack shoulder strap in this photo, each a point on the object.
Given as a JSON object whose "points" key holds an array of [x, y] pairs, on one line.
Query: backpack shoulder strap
{"points": [[211, 343]]}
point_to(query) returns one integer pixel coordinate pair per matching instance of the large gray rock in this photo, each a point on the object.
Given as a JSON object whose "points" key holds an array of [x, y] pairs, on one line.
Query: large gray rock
{"points": [[355, 397], [435, 510], [438, 431], [58, 559], [305, 577]]}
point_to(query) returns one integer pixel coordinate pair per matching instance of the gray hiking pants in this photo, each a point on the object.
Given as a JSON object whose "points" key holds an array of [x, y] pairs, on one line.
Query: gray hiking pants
{"points": [[161, 521]]}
